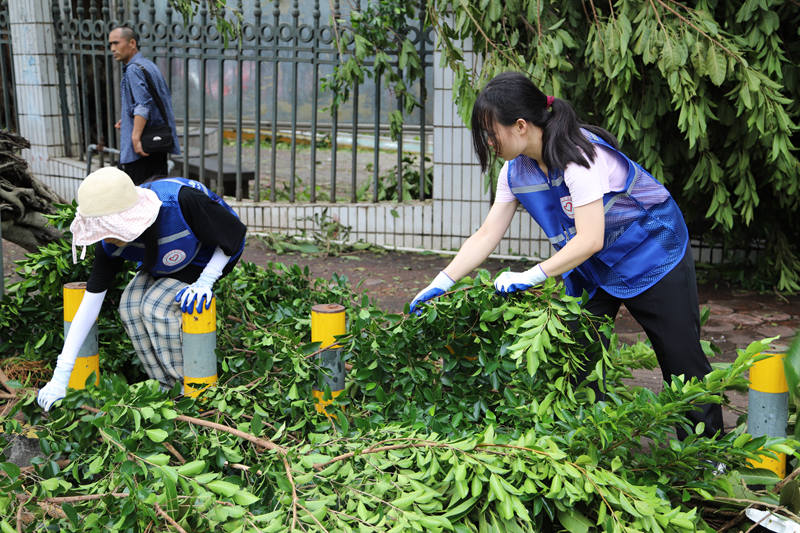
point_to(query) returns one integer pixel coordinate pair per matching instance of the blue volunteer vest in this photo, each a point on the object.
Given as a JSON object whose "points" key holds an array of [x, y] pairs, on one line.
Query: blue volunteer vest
{"points": [[645, 234], [177, 245]]}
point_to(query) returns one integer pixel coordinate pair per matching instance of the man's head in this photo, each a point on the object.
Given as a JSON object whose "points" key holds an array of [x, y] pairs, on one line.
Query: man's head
{"points": [[124, 43]]}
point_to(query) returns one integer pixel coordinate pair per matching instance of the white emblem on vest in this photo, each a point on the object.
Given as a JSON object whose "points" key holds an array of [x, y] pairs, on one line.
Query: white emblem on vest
{"points": [[174, 257], [566, 205]]}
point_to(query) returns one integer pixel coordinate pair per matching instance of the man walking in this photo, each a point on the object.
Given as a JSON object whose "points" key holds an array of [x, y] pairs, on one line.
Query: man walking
{"points": [[141, 88]]}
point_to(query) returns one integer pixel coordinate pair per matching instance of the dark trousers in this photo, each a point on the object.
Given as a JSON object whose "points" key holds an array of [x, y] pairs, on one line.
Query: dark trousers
{"points": [[145, 168], [670, 315]]}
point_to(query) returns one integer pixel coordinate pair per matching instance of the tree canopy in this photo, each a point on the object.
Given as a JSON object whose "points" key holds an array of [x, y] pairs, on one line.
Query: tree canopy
{"points": [[703, 94]]}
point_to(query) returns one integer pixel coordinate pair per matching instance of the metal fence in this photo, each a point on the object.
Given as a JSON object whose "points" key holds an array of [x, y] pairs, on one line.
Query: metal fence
{"points": [[8, 113], [252, 115]]}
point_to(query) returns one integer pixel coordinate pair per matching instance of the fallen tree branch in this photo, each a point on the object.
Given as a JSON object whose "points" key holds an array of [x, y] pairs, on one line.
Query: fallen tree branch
{"points": [[348, 455], [175, 453], [780, 484], [264, 443], [19, 514], [163, 514], [4, 380], [58, 500]]}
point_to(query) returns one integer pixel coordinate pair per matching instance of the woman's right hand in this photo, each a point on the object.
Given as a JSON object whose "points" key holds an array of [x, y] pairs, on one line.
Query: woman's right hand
{"points": [[440, 285], [51, 393]]}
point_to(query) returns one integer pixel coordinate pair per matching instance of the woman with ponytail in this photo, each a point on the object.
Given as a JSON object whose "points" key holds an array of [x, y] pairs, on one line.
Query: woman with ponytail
{"points": [[617, 232]]}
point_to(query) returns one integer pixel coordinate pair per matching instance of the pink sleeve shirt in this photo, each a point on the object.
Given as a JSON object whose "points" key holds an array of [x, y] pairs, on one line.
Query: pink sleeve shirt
{"points": [[606, 173]]}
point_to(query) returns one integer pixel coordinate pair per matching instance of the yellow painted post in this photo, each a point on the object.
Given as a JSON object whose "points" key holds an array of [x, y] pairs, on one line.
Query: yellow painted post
{"points": [[199, 343], [327, 321], [768, 407], [88, 360]]}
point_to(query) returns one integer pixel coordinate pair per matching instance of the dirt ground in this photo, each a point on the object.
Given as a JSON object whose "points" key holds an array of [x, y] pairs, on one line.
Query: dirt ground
{"points": [[391, 279]]}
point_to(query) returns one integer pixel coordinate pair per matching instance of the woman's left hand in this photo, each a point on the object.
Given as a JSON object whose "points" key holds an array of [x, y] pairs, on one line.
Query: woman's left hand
{"points": [[508, 282]]}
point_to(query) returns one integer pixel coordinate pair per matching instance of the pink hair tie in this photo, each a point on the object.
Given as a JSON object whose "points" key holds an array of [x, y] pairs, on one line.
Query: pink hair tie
{"points": [[549, 100]]}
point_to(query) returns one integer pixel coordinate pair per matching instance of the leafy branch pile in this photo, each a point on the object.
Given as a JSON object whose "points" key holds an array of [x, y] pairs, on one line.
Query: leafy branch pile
{"points": [[463, 419], [703, 94]]}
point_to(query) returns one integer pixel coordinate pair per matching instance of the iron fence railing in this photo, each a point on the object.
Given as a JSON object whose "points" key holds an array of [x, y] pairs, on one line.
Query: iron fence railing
{"points": [[8, 113], [251, 111]]}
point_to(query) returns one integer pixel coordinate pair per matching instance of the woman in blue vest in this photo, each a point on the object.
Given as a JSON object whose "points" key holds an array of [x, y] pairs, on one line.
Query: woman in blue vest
{"points": [[617, 232], [183, 237]]}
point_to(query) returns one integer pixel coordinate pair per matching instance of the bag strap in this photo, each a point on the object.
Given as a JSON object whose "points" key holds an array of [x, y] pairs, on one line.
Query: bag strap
{"points": [[152, 90]]}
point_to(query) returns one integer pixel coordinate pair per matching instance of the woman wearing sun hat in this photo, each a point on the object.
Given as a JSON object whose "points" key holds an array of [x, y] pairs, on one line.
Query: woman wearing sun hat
{"points": [[183, 237]]}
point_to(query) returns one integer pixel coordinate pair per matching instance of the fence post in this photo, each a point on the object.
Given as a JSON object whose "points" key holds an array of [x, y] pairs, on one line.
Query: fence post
{"points": [[36, 82], [198, 348], [327, 321], [768, 407], [88, 360]]}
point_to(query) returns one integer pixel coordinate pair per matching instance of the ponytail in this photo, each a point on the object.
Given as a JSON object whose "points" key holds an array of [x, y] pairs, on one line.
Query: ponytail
{"points": [[511, 96], [562, 140]]}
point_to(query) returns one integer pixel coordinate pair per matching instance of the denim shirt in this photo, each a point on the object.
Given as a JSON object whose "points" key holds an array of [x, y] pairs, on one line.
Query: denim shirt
{"points": [[136, 100]]}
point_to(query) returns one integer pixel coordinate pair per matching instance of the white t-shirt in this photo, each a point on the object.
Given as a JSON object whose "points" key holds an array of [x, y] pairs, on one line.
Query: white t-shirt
{"points": [[607, 173]]}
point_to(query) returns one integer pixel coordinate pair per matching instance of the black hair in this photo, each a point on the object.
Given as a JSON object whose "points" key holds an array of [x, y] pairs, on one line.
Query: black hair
{"points": [[128, 33], [510, 96]]}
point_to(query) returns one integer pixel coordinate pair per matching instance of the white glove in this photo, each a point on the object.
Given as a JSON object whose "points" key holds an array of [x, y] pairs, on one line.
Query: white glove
{"points": [[509, 282], [440, 285], [201, 290], [81, 324]]}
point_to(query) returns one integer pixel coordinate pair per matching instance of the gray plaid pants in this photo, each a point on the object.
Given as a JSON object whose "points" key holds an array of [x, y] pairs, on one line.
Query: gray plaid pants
{"points": [[153, 322]]}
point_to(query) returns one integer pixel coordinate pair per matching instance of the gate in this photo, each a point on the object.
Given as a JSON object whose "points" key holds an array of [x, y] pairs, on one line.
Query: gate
{"points": [[253, 119]]}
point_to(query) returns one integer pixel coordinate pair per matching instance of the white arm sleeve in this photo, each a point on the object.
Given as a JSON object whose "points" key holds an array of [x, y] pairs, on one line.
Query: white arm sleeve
{"points": [[213, 270], [84, 318]]}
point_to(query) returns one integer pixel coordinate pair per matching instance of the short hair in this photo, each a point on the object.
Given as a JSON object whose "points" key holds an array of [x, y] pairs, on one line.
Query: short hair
{"points": [[128, 33]]}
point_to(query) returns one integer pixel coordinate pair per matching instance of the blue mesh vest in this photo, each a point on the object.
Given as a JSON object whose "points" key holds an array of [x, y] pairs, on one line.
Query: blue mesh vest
{"points": [[645, 234], [177, 245]]}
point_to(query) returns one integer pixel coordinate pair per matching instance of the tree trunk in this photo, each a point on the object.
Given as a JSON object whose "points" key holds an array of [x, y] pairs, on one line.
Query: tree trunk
{"points": [[23, 199]]}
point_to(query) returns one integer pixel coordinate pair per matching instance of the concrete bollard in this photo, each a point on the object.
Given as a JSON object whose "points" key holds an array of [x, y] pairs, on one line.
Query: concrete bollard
{"points": [[88, 360], [768, 407], [199, 356], [327, 321]]}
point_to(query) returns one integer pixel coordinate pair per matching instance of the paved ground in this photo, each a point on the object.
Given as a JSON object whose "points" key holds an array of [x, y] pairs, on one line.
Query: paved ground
{"points": [[737, 317]]}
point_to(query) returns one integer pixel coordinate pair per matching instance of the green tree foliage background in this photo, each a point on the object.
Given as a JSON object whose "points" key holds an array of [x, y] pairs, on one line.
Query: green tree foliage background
{"points": [[703, 94]]}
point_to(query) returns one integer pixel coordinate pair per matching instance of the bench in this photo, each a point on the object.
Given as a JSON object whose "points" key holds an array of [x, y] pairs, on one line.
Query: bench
{"points": [[211, 171]]}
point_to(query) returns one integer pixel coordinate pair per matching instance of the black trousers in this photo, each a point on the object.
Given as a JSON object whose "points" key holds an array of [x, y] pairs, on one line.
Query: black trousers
{"points": [[145, 168], [669, 313]]}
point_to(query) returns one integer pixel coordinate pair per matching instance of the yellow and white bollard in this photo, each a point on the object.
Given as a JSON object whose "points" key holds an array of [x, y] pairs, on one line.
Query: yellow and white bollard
{"points": [[768, 407], [199, 356], [88, 360], [327, 321]]}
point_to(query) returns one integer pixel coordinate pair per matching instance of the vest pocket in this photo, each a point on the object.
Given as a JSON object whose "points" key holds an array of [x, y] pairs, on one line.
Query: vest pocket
{"points": [[633, 253]]}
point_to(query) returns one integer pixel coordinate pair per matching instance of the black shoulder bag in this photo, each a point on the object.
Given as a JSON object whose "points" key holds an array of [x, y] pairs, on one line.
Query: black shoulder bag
{"points": [[156, 139]]}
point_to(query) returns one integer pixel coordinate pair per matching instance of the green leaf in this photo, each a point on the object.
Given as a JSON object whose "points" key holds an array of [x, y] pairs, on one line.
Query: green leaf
{"points": [[50, 484], [11, 469], [243, 497], [574, 521], [223, 488], [716, 65], [159, 459], [156, 435], [191, 468], [71, 513]]}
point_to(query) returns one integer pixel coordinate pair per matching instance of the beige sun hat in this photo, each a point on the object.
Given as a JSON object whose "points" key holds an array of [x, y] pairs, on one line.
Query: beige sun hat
{"points": [[110, 206]]}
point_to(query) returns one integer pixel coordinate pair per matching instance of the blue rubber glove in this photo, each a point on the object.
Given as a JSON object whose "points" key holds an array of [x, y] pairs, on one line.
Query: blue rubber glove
{"points": [[200, 292], [509, 282], [440, 285]]}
